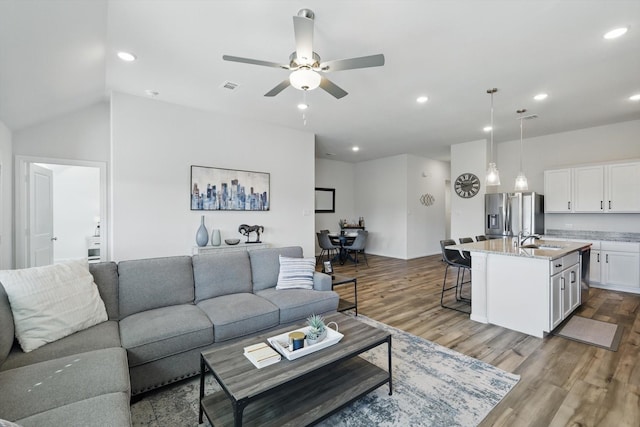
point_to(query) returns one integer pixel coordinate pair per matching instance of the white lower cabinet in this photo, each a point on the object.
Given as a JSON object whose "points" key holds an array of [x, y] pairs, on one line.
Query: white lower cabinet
{"points": [[616, 265], [565, 288]]}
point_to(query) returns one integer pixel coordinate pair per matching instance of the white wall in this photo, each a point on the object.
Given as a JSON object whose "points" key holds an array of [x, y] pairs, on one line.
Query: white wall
{"points": [[381, 197], [81, 135], [76, 204], [467, 214], [592, 145], [340, 176], [153, 146], [6, 198], [426, 225]]}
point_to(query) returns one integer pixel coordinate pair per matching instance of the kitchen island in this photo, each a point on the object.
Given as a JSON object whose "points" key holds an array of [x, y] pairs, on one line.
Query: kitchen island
{"points": [[529, 288]]}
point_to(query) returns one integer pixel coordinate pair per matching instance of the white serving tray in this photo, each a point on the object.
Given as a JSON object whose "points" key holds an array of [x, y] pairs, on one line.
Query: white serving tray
{"points": [[281, 343]]}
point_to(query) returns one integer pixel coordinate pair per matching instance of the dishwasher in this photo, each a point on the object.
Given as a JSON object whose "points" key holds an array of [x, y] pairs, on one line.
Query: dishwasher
{"points": [[585, 261]]}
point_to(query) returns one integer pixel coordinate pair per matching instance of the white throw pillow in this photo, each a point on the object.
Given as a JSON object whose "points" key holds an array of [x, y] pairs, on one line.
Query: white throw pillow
{"points": [[51, 302], [296, 273]]}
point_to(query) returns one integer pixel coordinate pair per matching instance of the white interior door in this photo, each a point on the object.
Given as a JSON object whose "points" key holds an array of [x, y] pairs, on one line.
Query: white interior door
{"points": [[41, 238]]}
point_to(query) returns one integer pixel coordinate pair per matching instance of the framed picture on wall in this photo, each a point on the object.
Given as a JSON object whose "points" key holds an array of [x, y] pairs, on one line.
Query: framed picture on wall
{"points": [[216, 189]]}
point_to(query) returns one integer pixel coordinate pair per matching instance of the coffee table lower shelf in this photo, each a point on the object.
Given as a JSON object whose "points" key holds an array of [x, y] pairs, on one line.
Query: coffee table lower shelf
{"points": [[304, 401]]}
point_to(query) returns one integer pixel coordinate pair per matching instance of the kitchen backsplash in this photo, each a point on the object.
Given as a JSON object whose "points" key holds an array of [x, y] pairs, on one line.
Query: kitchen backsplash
{"points": [[594, 235]]}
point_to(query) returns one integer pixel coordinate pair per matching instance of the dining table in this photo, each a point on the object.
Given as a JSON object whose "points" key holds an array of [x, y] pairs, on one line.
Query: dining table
{"points": [[344, 240]]}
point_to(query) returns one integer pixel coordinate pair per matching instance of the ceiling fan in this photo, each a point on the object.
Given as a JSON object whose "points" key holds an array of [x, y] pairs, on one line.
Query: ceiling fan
{"points": [[306, 65]]}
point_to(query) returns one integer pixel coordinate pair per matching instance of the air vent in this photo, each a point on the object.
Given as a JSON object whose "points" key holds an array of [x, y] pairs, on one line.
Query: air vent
{"points": [[229, 85]]}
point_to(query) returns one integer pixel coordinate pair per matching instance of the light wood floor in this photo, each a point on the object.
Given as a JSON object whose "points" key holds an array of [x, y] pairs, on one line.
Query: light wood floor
{"points": [[563, 383]]}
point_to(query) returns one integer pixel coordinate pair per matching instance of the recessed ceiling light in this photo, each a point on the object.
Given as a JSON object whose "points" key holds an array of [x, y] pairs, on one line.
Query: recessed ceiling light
{"points": [[422, 99], [355, 148], [126, 56], [487, 128], [303, 106], [150, 92], [635, 97], [540, 96], [614, 34]]}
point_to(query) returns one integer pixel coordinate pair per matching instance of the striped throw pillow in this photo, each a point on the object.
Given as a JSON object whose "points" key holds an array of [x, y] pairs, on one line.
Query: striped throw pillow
{"points": [[296, 273]]}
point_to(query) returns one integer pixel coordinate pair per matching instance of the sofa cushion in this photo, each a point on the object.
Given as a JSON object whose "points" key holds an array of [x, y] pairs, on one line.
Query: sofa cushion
{"points": [[103, 335], [146, 284], [221, 274], [161, 332], [296, 273], [296, 304], [265, 265], [110, 409], [6, 325], [237, 315], [105, 276], [52, 301], [47, 385]]}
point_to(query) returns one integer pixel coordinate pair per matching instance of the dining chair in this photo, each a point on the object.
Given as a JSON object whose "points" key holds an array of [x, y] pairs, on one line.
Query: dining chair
{"points": [[454, 259], [327, 246], [481, 238], [358, 246]]}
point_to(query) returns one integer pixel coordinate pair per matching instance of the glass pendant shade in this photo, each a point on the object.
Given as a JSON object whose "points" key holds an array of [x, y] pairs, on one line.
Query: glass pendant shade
{"points": [[493, 175], [305, 79], [521, 182]]}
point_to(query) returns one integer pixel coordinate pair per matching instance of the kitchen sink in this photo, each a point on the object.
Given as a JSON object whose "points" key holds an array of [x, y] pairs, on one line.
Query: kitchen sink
{"points": [[545, 247]]}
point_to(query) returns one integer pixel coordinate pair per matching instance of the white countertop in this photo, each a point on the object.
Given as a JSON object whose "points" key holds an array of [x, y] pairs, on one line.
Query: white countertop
{"points": [[551, 249]]}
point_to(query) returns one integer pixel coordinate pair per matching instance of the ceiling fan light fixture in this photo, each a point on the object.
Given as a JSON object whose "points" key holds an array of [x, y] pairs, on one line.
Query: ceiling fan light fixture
{"points": [[305, 79]]}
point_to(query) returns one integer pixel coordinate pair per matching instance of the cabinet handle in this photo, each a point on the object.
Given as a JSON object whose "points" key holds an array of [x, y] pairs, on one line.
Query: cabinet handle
{"points": [[569, 205], [562, 283], [609, 204], [598, 258], [558, 265], [607, 258], [573, 276], [601, 205]]}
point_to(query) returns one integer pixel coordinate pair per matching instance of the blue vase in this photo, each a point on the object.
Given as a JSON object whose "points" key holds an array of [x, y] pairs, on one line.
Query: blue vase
{"points": [[202, 236]]}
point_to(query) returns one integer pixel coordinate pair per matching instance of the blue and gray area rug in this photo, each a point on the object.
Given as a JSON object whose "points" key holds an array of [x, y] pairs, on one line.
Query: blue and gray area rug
{"points": [[432, 386]]}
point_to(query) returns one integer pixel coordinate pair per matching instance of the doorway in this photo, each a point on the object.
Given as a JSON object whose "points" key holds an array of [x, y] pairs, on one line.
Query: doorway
{"points": [[75, 224]]}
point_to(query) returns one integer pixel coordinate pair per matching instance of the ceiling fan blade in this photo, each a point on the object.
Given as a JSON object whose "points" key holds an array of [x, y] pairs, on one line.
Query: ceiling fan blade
{"points": [[303, 30], [332, 88], [253, 61], [351, 63], [276, 90]]}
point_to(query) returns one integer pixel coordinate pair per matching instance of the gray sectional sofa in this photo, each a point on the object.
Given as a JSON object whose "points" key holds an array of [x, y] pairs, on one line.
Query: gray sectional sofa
{"points": [[162, 313]]}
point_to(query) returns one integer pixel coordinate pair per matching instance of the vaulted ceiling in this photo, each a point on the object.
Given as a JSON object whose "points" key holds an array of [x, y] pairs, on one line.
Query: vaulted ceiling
{"points": [[58, 56]]}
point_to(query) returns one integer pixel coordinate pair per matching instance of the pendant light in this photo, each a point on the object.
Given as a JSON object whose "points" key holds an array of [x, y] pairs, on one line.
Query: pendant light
{"points": [[521, 179], [493, 176]]}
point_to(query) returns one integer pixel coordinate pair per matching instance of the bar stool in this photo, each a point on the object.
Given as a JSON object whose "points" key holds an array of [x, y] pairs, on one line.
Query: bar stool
{"points": [[454, 259]]}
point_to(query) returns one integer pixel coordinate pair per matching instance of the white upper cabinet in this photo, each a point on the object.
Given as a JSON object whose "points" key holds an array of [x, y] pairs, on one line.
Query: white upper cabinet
{"points": [[623, 187], [557, 190], [607, 188], [588, 189]]}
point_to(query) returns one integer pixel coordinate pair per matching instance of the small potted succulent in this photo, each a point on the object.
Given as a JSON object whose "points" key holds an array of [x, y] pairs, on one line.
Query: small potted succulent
{"points": [[317, 329]]}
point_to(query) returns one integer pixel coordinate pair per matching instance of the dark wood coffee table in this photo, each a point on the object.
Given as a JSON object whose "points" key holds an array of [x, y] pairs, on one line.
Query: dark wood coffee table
{"points": [[297, 392]]}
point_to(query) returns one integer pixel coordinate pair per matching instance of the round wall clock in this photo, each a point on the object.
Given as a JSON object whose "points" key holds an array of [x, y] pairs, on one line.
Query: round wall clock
{"points": [[467, 185]]}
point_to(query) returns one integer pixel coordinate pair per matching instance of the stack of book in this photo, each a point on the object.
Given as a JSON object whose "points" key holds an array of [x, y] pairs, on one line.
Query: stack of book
{"points": [[261, 355]]}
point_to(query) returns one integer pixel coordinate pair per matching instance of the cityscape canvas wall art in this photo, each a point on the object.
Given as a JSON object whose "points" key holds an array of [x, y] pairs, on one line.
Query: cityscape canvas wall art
{"points": [[215, 189]]}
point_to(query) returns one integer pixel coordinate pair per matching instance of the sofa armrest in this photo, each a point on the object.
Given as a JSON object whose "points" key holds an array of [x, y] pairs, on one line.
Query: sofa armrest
{"points": [[321, 281]]}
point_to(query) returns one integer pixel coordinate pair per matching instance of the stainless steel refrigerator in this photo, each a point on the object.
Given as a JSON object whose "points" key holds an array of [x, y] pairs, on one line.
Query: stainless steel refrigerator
{"points": [[506, 214]]}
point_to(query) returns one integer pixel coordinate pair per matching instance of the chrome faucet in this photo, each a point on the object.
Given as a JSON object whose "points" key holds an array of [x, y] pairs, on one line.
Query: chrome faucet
{"points": [[523, 239]]}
